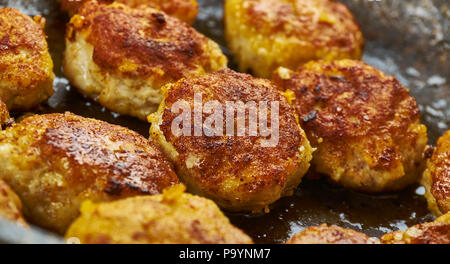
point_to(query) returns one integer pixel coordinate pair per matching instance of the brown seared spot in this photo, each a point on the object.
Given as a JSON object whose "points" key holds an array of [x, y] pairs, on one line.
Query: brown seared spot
{"points": [[303, 19], [440, 187], [148, 38], [233, 155], [437, 233], [387, 158], [118, 159], [353, 100]]}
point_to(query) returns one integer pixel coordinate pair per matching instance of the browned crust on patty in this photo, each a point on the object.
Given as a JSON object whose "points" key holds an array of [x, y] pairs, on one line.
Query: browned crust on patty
{"points": [[19, 31], [224, 86], [72, 6], [56, 161], [426, 234], [349, 99], [294, 18], [250, 166], [146, 38], [324, 234], [25, 65], [437, 232], [136, 167], [364, 124], [185, 10]]}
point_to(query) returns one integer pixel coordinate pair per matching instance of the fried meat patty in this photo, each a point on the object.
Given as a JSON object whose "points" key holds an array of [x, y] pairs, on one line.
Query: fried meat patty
{"points": [[266, 34], [364, 124], [173, 217], [26, 68], [55, 161], [436, 177], [121, 56], [240, 172]]}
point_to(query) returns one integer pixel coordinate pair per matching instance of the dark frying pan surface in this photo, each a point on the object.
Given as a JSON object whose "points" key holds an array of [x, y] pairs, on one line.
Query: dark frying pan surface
{"points": [[407, 39]]}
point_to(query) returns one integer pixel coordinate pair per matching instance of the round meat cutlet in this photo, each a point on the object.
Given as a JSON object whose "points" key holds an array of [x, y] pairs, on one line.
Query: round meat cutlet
{"points": [[26, 67], [239, 171], [185, 10], [122, 56], [324, 234], [437, 232], [10, 205], [364, 124], [173, 217], [55, 161], [436, 177], [266, 34]]}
